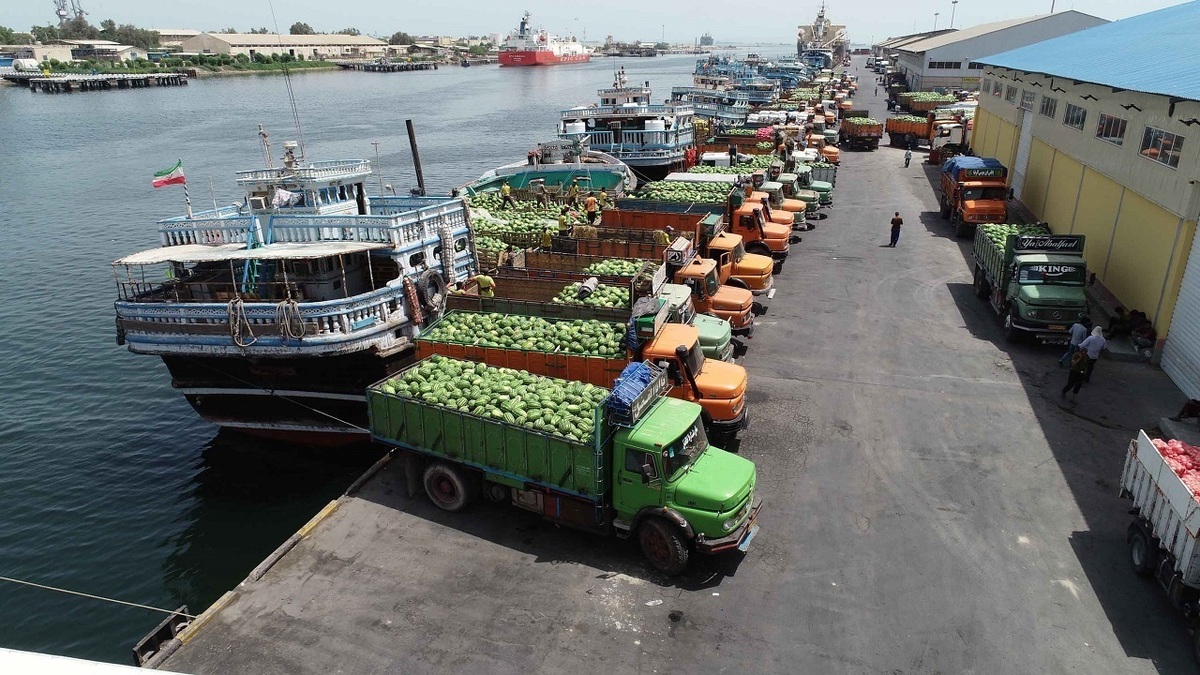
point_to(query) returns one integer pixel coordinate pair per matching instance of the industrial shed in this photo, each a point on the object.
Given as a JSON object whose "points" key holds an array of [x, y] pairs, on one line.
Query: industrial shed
{"points": [[952, 60], [1100, 144]]}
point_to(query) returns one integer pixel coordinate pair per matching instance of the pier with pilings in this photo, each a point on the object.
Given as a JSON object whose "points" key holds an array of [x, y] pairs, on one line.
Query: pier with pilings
{"points": [[64, 84], [386, 66]]}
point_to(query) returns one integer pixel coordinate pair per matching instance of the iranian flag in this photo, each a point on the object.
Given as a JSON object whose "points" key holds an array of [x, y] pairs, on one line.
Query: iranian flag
{"points": [[171, 176]]}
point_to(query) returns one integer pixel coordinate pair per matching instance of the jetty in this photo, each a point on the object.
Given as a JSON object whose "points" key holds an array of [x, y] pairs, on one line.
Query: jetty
{"points": [[64, 84], [386, 66]]}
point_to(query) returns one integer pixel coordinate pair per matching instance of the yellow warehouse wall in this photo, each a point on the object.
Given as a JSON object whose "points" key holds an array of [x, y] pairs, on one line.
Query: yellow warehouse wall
{"points": [[1094, 217], [1033, 194], [1060, 195], [1006, 144], [1142, 252], [979, 132], [1175, 278]]}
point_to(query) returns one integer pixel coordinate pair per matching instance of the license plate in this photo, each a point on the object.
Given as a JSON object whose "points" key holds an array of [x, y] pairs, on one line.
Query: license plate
{"points": [[745, 543], [1057, 327]]}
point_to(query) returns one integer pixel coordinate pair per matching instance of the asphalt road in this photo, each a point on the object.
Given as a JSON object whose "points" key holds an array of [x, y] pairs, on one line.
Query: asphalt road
{"points": [[930, 508]]}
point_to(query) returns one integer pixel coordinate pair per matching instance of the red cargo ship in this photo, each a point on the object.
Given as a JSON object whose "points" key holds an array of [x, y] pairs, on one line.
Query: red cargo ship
{"points": [[527, 47]]}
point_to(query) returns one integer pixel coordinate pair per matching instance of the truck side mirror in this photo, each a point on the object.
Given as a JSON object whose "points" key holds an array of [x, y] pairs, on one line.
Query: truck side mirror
{"points": [[647, 473]]}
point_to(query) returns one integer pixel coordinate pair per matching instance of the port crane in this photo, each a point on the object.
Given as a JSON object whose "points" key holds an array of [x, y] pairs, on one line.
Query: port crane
{"points": [[64, 11]]}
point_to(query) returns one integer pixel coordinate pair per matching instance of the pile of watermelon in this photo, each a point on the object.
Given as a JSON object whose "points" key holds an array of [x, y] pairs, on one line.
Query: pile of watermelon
{"points": [[998, 233], [557, 407], [616, 267], [1184, 460], [603, 296], [531, 333]]}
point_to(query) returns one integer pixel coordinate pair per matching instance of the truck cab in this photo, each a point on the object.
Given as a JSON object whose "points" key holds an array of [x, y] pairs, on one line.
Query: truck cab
{"points": [[675, 492], [824, 189], [778, 200], [792, 190], [770, 213], [760, 236], [708, 294], [1045, 292], [735, 267], [716, 337], [973, 192], [719, 387]]}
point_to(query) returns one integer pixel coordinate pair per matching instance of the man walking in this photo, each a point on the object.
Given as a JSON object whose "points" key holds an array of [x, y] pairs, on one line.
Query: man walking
{"points": [[589, 206], [1093, 345], [1079, 368], [1079, 331], [897, 221], [907, 158]]}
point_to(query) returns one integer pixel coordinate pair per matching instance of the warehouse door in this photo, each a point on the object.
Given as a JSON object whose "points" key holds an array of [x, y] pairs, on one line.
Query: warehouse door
{"points": [[1024, 141], [1181, 355]]}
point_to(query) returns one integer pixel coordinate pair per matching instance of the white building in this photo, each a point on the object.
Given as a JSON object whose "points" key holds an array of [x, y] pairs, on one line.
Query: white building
{"points": [[174, 37], [951, 60], [307, 46]]}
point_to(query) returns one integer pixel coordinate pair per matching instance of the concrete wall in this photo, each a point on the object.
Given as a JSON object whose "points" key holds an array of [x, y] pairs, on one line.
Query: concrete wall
{"points": [[975, 48], [214, 44], [1138, 215]]}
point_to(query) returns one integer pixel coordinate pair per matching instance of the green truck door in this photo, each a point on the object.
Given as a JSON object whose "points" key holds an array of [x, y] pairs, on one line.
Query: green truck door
{"points": [[632, 494]]}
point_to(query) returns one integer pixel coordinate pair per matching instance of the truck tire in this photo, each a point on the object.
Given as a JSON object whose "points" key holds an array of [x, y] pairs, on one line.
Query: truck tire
{"points": [[945, 208], [446, 487], [759, 248], [663, 546], [1011, 332], [960, 228], [1141, 553], [980, 284], [737, 283]]}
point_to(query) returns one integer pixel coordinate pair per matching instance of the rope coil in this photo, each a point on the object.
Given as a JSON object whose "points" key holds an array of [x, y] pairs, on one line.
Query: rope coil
{"points": [[290, 320], [239, 323]]}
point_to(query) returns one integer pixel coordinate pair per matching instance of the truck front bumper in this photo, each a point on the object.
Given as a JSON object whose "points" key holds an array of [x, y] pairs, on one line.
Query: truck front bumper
{"points": [[1047, 334], [738, 539], [745, 331], [730, 427], [766, 286]]}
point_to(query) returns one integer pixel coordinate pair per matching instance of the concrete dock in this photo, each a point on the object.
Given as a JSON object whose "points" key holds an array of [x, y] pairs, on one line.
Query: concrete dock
{"points": [[930, 506], [65, 84], [386, 66]]}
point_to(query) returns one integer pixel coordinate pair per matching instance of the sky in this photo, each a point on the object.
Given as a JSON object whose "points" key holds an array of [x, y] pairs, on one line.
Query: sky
{"points": [[625, 20]]}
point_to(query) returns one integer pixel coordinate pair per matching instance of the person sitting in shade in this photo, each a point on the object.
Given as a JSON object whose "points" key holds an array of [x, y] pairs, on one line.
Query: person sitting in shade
{"points": [[1191, 408], [1144, 336]]}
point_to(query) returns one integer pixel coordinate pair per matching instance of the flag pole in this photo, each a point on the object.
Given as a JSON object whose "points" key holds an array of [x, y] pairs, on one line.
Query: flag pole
{"points": [[187, 201], [213, 191]]}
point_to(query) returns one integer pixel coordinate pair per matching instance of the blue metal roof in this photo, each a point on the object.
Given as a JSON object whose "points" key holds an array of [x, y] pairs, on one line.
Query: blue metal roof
{"points": [[1155, 53]]}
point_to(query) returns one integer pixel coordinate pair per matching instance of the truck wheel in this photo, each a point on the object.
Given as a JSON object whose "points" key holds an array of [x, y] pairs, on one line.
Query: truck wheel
{"points": [[759, 248], [979, 284], [1141, 555], [446, 487], [960, 228], [737, 283], [1011, 333], [945, 209], [663, 546]]}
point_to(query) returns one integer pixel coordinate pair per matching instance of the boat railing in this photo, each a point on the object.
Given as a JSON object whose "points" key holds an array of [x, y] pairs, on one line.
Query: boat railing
{"points": [[312, 171], [249, 315], [615, 110], [397, 220], [630, 140]]}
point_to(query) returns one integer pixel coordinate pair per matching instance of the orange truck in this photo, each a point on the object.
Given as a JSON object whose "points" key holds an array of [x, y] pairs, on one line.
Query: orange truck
{"points": [[860, 132], [973, 192], [709, 295], [718, 387], [907, 131]]}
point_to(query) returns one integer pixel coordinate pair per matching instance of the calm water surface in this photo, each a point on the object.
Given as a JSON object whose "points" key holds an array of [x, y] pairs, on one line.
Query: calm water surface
{"points": [[109, 484]]}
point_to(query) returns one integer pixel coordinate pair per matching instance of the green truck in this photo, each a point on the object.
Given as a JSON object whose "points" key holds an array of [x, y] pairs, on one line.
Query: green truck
{"points": [[1033, 279], [630, 462]]}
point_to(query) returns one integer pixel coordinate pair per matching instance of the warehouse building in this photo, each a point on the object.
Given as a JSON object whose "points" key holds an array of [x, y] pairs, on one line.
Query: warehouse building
{"points": [[1101, 131], [306, 46], [951, 61], [888, 47]]}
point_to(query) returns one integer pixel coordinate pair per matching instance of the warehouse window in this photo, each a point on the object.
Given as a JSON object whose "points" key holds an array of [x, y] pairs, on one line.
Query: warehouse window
{"points": [[1010, 94], [1049, 107], [975, 66], [1027, 99], [997, 88], [1075, 117], [1111, 129], [1162, 146], [945, 65]]}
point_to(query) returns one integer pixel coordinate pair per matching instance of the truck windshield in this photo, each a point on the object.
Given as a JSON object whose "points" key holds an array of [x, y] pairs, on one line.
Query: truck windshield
{"points": [[695, 358], [984, 193], [680, 454], [739, 252], [711, 283], [1051, 274]]}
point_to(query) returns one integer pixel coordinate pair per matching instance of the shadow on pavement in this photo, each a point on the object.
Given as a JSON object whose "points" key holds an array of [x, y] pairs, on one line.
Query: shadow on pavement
{"points": [[1088, 441], [548, 543]]}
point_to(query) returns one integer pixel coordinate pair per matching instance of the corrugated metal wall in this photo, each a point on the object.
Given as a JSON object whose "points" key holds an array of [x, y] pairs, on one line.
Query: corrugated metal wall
{"points": [[1181, 355]]}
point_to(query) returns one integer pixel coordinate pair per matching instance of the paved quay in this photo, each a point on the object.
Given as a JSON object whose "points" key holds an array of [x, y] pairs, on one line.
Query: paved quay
{"points": [[930, 507]]}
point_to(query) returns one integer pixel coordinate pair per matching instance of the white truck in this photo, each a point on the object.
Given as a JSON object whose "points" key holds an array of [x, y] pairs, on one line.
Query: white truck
{"points": [[1162, 536]]}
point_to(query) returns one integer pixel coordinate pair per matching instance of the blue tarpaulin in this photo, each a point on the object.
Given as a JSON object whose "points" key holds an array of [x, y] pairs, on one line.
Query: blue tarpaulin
{"points": [[957, 164]]}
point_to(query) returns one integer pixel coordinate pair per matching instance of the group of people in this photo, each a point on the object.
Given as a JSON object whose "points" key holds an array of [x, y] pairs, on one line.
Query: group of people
{"points": [[592, 204], [1083, 350]]}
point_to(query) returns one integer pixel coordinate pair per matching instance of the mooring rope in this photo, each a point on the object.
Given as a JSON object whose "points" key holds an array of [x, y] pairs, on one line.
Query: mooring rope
{"points": [[94, 597]]}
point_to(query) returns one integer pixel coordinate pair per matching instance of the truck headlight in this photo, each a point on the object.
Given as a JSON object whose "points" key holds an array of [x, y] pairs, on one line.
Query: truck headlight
{"points": [[1031, 313], [729, 524]]}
